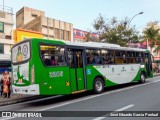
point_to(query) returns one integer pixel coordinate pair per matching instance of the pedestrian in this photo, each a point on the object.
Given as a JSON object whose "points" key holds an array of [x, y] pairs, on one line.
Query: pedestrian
{"points": [[1, 82], [6, 84]]}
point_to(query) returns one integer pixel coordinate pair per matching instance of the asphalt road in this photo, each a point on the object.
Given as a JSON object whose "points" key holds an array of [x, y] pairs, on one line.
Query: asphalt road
{"points": [[129, 97]]}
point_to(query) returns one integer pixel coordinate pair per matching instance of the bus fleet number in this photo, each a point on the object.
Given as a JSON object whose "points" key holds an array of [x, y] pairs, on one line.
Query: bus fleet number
{"points": [[56, 74]]}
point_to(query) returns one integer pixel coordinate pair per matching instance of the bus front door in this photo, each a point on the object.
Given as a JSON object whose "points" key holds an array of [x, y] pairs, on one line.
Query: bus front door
{"points": [[148, 62], [76, 64]]}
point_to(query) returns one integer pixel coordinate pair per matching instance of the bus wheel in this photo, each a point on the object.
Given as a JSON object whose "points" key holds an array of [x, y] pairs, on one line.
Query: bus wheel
{"points": [[98, 85], [142, 78]]}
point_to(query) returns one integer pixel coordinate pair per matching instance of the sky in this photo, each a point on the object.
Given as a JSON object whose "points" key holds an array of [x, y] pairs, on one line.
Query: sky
{"points": [[82, 13]]}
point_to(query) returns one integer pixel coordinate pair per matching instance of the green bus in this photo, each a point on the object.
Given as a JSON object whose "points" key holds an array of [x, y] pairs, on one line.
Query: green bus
{"points": [[53, 67]]}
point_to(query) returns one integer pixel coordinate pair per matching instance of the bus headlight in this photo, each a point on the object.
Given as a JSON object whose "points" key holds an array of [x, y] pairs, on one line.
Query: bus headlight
{"points": [[142, 66]]}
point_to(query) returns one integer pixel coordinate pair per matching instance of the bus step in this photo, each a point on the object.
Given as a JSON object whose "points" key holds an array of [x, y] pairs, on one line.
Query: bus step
{"points": [[80, 91]]}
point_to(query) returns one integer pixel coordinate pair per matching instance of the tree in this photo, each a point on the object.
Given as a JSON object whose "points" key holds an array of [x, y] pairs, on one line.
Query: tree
{"points": [[89, 37], [157, 49], [115, 31], [151, 34]]}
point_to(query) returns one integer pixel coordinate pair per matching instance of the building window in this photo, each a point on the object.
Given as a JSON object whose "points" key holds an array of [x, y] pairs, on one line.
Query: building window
{"points": [[67, 35], [8, 37], [1, 27], [34, 15], [2, 48], [62, 35], [45, 36], [51, 36], [56, 33]]}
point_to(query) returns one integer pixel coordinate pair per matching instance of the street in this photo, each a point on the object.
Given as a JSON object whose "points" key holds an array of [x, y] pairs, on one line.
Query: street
{"points": [[130, 97]]}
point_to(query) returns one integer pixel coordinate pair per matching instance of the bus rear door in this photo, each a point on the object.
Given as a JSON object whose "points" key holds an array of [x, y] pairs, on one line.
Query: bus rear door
{"points": [[77, 66]]}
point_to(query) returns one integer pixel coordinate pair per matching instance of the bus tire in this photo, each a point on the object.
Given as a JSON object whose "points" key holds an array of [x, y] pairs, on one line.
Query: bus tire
{"points": [[142, 78], [98, 85]]}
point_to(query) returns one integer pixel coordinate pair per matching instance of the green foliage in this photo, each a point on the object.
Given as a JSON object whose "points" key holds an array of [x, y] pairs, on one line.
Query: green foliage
{"points": [[152, 35], [157, 49], [89, 37], [115, 31]]}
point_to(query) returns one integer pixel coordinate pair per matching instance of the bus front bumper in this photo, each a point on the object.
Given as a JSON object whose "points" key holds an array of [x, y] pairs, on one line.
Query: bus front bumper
{"points": [[29, 90]]}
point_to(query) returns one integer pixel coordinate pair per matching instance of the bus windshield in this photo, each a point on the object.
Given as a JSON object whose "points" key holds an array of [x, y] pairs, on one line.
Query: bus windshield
{"points": [[21, 52]]}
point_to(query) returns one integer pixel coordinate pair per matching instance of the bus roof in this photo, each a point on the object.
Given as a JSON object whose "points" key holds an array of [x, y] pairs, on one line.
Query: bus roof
{"points": [[104, 45], [91, 44]]}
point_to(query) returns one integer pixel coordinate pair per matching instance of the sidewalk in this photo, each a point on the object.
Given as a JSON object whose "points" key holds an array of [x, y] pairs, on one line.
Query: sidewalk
{"points": [[14, 98], [156, 74]]}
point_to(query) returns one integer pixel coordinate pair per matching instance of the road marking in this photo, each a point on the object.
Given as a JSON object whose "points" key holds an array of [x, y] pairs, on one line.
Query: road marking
{"points": [[7, 118], [99, 118], [124, 108], [116, 111], [94, 96]]}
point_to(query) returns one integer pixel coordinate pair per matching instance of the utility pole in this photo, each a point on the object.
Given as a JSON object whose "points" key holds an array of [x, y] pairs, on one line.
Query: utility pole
{"points": [[3, 5], [132, 18]]}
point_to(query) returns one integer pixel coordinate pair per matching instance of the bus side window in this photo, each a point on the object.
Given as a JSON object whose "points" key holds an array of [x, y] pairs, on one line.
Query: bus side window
{"points": [[54, 60], [52, 55], [130, 57], [46, 59], [90, 56], [79, 59], [47, 62], [140, 57], [120, 57], [71, 64], [97, 59], [90, 59]]}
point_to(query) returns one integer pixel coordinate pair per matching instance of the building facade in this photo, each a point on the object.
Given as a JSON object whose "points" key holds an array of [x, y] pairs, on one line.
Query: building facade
{"points": [[6, 26], [81, 35], [21, 34], [35, 20]]}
